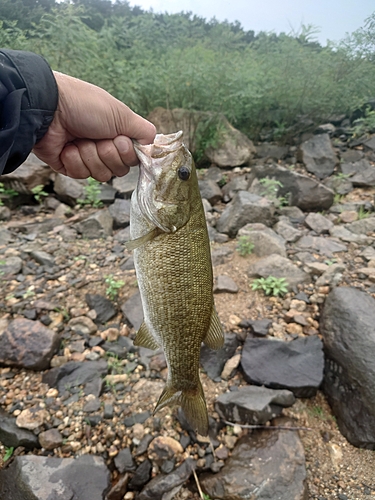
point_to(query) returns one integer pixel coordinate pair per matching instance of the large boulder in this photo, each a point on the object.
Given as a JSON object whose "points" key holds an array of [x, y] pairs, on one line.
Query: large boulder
{"points": [[318, 156], [27, 176], [28, 344], [244, 208], [264, 466], [302, 191], [69, 190], [229, 148], [296, 365], [348, 329], [49, 478]]}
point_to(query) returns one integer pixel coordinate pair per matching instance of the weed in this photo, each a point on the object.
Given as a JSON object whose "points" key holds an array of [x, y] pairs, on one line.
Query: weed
{"points": [[113, 286], [271, 285], [362, 213], [7, 191], [114, 363], [223, 181], [330, 262], [338, 198], [207, 135], [271, 186], [39, 193], [29, 293], [8, 453], [206, 497], [244, 246], [365, 125], [92, 193], [111, 386], [341, 175]]}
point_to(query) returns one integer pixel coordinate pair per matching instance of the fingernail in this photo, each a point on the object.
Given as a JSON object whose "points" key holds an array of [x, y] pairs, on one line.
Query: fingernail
{"points": [[122, 144]]}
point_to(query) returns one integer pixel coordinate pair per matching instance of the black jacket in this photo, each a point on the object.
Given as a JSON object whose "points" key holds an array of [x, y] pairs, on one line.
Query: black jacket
{"points": [[28, 100]]}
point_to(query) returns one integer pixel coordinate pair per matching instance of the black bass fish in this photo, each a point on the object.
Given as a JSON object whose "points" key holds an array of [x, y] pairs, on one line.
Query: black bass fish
{"points": [[174, 271]]}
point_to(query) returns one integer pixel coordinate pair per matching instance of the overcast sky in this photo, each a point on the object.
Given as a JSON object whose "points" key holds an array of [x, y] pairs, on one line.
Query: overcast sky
{"points": [[334, 18]]}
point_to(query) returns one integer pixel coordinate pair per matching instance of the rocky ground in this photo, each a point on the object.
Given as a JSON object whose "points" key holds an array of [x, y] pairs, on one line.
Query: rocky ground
{"points": [[72, 385]]}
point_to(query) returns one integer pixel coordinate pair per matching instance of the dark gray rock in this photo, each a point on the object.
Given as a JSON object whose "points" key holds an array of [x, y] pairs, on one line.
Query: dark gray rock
{"points": [[124, 461], [264, 466], [69, 190], [210, 191], [133, 310], [120, 212], [347, 326], [43, 258], [28, 344], [352, 155], [161, 485], [137, 418], [240, 183], [97, 225], [318, 223], [274, 151], [141, 476], [48, 478], [92, 405], [123, 235], [221, 255], [73, 374], [33, 172], [361, 173], [325, 246], [225, 284], [302, 191], [10, 265], [12, 435], [362, 226], [294, 214], [265, 240], [287, 231], [279, 267], [5, 214], [318, 156], [103, 307], [338, 185], [296, 365], [107, 193], [258, 327], [253, 405], [51, 439], [213, 361], [125, 185], [244, 208]]}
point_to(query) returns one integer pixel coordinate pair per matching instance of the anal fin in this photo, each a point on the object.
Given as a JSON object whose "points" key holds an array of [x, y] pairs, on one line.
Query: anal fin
{"points": [[145, 339], [214, 338]]}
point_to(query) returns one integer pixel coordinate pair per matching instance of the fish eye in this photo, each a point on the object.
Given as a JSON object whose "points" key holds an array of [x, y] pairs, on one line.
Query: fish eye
{"points": [[183, 173]]}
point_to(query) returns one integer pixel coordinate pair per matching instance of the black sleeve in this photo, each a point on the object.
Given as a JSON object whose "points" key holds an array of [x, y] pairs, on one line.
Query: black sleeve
{"points": [[28, 100]]}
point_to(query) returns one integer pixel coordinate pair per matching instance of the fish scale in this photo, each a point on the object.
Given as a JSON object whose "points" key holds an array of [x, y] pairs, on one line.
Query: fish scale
{"points": [[174, 273]]}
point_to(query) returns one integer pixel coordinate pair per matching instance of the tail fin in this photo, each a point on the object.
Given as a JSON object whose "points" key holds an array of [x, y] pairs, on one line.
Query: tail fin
{"points": [[192, 402]]}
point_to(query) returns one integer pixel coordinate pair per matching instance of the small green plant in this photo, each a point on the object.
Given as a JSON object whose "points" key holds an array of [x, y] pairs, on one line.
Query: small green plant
{"points": [[245, 246], [92, 193], [114, 363], [271, 186], [6, 191], [364, 125], [330, 262], [338, 198], [341, 175], [39, 193], [113, 286], [362, 213], [223, 181], [271, 285], [8, 453], [206, 497]]}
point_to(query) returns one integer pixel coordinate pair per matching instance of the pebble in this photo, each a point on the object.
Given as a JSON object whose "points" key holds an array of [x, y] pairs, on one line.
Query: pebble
{"points": [[51, 439]]}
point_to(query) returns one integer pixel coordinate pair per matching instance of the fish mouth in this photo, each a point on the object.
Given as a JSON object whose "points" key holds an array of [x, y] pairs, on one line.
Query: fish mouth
{"points": [[162, 145]]}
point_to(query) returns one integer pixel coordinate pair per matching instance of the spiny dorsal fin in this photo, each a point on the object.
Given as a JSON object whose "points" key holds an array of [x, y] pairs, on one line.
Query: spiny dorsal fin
{"points": [[145, 339], [138, 242], [215, 335]]}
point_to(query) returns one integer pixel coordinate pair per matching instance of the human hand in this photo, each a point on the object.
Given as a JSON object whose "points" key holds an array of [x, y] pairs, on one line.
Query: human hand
{"points": [[91, 133]]}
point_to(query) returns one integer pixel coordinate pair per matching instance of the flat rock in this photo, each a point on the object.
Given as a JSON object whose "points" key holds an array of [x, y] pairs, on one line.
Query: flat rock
{"points": [[213, 361], [279, 267], [347, 326], [343, 234], [33, 172], [296, 365], [120, 212], [69, 190], [97, 225], [43, 258], [240, 183], [318, 223], [244, 208], [264, 466], [253, 405], [225, 284], [133, 310], [258, 327], [362, 226], [103, 307], [28, 344], [141, 476], [362, 173], [49, 478], [302, 191], [9, 266], [124, 461], [73, 374], [162, 484], [325, 246], [51, 439], [210, 191], [318, 156], [125, 185], [286, 230], [13, 436], [274, 151], [265, 240]]}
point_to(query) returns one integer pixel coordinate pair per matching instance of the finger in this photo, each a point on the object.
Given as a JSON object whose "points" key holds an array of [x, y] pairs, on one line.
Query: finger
{"points": [[90, 157], [110, 156], [136, 127], [125, 149], [73, 163]]}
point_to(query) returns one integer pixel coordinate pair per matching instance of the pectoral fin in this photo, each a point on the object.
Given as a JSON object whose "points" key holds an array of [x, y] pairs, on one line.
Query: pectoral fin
{"points": [[215, 335], [145, 339], [138, 242]]}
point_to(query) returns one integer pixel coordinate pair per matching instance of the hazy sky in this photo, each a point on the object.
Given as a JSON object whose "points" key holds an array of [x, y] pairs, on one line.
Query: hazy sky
{"points": [[334, 18]]}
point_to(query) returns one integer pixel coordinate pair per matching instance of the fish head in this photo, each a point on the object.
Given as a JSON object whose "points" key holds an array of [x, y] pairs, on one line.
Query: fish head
{"points": [[166, 180]]}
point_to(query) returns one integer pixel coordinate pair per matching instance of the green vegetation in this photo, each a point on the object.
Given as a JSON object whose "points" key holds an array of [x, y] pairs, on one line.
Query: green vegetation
{"points": [[271, 187], [92, 192], [113, 286], [7, 192], [115, 365], [271, 285], [362, 213], [365, 125], [245, 246], [8, 453], [39, 193], [259, 81]]}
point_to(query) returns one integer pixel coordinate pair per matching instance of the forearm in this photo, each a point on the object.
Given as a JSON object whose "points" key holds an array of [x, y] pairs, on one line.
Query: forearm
{"points": [[28, 100]]}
